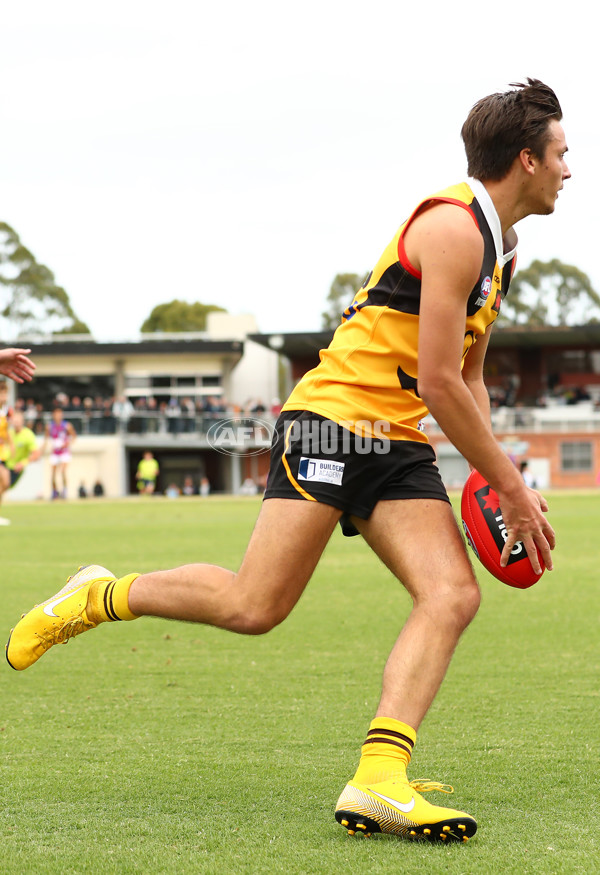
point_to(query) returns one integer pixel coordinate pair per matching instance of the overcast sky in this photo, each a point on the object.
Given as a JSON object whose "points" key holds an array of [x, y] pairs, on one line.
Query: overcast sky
{"points": [[243, 153]]}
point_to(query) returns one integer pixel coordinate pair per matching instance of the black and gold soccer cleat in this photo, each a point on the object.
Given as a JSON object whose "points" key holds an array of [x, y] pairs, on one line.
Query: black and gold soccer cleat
{"points": [[398, 808]]}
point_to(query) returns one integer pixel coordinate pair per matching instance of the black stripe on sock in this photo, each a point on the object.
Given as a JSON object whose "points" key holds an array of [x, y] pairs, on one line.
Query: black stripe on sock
{"points": [[389, 741], [393, 734], [108, 601]]}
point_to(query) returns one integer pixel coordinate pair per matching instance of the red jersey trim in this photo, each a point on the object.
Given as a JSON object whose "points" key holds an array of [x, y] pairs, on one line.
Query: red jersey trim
{"points": [[402, 256]]}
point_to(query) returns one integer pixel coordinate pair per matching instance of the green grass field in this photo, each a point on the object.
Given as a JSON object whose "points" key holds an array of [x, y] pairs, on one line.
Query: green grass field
{"points": [[162, 747]]}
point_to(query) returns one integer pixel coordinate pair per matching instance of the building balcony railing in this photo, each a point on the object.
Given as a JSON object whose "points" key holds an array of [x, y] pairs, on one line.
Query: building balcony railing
{"points": [[582, 417], [148, 422]]}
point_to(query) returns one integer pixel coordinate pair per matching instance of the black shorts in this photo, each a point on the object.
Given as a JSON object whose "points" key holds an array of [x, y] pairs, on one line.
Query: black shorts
{"points": [[14, 475], [315, 458]]}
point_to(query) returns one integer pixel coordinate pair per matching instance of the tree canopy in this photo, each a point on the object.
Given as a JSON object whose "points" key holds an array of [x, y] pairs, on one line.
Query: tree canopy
{"points": [[177, 316], [343, 289], [33, 302], [550, 293]]}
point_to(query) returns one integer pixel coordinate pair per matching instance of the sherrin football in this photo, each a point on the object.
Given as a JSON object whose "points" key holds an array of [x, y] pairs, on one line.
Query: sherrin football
{"points": [[486, 534]]}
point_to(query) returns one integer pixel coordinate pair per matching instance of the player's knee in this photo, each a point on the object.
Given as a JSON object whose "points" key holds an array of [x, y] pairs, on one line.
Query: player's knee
{"points": [[258, 622], [457, 602], [469, 601]]}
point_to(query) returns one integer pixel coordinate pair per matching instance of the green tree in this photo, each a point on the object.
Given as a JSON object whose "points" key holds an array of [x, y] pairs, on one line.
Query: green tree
{"points": [[343, 289], [179, 316], [33, 301], [550, 293]]}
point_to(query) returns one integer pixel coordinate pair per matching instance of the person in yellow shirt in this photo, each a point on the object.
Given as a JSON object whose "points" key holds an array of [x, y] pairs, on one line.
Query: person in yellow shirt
{"points": [[24, 449], [147, 473]]}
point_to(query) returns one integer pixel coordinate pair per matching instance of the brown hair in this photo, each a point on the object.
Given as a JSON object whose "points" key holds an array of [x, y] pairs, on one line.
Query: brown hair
{"points": [[499, 126]]}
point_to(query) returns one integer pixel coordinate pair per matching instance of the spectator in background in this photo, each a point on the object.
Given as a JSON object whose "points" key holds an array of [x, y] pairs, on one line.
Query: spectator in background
{"points": [[152, 419], [147, 473], [76, 413], [107, 421], [122, 410], [248, 487], [31, 413], [188, 486], [39, 421], [88, 412], [204, 486], [173, 413], [188, 412], [98, 489], [526, 474]]}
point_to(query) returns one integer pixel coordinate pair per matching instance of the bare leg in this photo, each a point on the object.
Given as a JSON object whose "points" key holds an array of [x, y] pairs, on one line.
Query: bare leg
{"points": [[286, 545], [420, 543], [4, 481]]}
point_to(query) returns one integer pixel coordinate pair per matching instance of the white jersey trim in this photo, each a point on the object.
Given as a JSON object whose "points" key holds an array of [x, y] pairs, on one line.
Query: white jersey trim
{"points": [[505, 247]]}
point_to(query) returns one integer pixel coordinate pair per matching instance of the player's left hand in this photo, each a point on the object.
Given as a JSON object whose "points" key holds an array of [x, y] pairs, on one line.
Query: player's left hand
{"points": [[15, 364], [525, 521]]}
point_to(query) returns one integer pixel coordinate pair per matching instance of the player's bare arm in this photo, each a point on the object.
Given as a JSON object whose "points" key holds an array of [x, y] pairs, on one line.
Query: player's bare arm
{"points": [[15, 364], [473, 376], [446, 245]]}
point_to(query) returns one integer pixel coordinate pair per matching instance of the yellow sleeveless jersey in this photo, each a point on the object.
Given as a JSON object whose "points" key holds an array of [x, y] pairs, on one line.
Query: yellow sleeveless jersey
{"points": [[369, 372]]}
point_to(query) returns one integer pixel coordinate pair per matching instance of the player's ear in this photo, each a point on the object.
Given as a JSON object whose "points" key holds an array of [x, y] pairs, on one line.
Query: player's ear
{"points": [[527, 161]]}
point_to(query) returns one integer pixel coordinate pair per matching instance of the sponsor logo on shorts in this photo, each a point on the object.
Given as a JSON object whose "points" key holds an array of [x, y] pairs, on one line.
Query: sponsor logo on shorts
{"points": [[321, 471]]}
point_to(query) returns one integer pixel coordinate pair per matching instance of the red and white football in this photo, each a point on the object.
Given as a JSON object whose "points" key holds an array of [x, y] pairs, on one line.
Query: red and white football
{"points": [[486, 534]]}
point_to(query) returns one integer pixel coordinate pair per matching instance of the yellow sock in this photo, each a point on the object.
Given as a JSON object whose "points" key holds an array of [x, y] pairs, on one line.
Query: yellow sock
{"points": [[109, 599], [386, 752]]}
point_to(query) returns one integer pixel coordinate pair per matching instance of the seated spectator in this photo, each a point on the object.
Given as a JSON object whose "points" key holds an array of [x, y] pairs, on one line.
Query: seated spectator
{"points": [[248, 487], [188, 486]]}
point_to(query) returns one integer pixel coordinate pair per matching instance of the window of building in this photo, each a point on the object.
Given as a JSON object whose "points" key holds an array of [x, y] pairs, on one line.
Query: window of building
{"points": [[164, 386], [569, 361], [576, 456], [44, 390]]}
